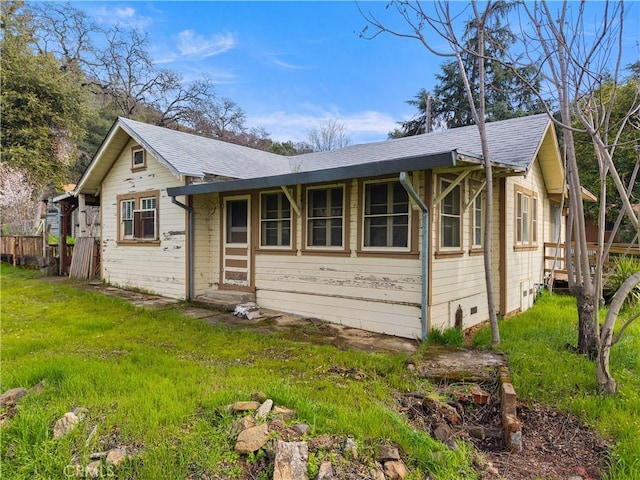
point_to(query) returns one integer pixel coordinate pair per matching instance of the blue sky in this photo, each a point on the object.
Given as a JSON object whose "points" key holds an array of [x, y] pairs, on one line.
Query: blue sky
{"points": [[292, 65]]}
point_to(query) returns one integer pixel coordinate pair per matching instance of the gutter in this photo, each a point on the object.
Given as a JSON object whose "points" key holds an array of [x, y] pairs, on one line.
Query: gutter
{"points": [[425, 250], [190, 212]]}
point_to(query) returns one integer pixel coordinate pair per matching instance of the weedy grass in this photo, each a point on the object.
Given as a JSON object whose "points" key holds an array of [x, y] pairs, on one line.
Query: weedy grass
{"points": [[160, 381], [546, 370]]}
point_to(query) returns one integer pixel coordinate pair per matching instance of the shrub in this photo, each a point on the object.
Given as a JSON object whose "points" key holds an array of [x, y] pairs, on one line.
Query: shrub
{"points": [[448, 336], [622, 269]]}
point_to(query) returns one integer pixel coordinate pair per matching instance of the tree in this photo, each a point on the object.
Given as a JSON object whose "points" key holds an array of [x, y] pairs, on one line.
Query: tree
{"points": [[43, 106], [330, 135], [506, 95], [416, 19], [20, 201]]}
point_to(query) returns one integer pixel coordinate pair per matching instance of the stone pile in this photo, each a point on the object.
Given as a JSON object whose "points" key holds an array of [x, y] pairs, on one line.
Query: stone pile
{"points": [[272, 429]]}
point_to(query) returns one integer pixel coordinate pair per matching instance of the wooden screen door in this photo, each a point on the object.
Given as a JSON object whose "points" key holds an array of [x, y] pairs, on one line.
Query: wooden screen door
{"points": [[236, 261]]}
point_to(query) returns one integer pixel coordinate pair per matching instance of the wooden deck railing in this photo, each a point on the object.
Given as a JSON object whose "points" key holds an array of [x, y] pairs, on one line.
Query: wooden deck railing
{"points": [[555, 256]]}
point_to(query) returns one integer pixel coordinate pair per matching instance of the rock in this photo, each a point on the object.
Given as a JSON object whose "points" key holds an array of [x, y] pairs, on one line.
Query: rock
{"points": [[512, 433], [386, 452], [442, 432], [301, 428], [476, 431], [395, 469], [285, 414], [11, 397], [245, 406], [291, 461], [264, 410], [92, 470], [377, 473], [449, 413], [242, 424], [324, 442], [117, 456], [252, 439], [259, 396], [350, 447], [325, 472], [575, 477], [411, 367], [38, 387], [67, 423]]}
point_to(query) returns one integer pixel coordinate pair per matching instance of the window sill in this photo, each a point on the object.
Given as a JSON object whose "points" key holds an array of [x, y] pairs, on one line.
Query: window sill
{"points": [[453, 254], [139, 243], [138, 169], [525, 248], [476, 252], [387, 254], [319, 252], [274, 251]]}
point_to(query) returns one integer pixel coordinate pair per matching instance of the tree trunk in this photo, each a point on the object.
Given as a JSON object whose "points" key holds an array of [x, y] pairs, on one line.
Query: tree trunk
{"points": [[606, 383], [585, 299]]}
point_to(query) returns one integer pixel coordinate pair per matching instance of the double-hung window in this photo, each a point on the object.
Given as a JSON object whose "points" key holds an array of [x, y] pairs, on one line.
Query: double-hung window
{"points": [[477, 216], [386, 215], [138, 217], [275, 220], [526, 217], [450, 216], [138, 158], [325, 217]]}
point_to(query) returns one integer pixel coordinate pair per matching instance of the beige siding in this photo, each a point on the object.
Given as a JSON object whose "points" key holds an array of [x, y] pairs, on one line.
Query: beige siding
{"points": [[524, 269], [160, 268], [207, 243]]}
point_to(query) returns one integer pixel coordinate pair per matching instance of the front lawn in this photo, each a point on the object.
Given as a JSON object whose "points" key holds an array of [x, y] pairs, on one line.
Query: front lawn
{"points": [[545, 370], [160, 382]]}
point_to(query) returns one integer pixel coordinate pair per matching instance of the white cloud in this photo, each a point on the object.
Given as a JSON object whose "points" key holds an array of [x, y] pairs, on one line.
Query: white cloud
{"points": [[192, 44], [124, 16], [365, 126]]}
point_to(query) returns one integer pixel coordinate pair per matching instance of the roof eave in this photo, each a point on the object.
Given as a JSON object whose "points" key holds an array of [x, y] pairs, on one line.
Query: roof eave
{"points": [[371, 169]]}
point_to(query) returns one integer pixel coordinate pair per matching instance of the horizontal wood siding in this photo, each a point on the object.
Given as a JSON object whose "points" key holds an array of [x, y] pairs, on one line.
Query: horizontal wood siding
{"points": [[160, 268], [524, 269], [207, 243]]}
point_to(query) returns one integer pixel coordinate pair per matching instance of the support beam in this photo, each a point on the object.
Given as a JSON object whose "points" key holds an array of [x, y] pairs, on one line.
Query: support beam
{"points": [[294, 204]]}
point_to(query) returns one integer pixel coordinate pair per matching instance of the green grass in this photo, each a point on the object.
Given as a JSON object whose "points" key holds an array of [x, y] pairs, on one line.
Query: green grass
{"points": [[161, 382], [545, 371]]}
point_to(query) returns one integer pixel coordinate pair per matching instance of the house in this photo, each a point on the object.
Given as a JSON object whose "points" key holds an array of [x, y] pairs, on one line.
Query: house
{"points": [[338, 235]]}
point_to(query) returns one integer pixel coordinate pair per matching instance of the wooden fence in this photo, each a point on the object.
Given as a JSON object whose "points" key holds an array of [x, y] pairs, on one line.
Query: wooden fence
{"points": [[555, 256], [24, 250], [32, 250]]}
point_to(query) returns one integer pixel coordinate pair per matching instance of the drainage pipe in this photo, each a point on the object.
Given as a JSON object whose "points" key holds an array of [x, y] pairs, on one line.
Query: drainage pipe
{"points": [[191, 215], [425, 249]]}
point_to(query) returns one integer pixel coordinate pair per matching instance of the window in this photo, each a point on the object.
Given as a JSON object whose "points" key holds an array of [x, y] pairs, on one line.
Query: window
{"points": [[477, 235], [325, 217], [237, 221], [138, 217], [138, 158], [556, 222], [275, 220], [526, 230], [386, 215], [450, 217]]}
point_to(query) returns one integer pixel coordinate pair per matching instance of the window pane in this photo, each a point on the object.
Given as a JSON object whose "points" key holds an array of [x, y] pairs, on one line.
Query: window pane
{"points": [[400, 199], [237, 221], [376, 199], [375, 232]]}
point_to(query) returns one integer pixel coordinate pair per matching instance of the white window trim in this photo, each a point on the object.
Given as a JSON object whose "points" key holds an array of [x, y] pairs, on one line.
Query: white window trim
{"points": [[307, 218], [459, 216], [281, 196], [365, 216]]}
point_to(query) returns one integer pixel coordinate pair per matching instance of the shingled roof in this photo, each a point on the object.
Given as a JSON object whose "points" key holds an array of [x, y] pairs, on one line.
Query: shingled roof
{"points": [[513, 144]]}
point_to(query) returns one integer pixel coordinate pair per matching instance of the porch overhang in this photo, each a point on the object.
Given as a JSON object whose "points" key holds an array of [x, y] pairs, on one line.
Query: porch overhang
{"points": [[369, 169]]}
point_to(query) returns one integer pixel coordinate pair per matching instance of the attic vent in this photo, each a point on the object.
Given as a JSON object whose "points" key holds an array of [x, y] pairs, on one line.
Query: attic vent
{"points": [[474, 310]]}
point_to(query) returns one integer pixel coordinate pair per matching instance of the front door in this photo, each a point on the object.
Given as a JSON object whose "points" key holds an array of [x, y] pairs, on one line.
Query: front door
{"points": [[236, 261]]}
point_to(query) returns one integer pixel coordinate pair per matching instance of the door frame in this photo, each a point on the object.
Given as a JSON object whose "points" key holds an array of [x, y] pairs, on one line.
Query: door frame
{"points": [[231, 254]]}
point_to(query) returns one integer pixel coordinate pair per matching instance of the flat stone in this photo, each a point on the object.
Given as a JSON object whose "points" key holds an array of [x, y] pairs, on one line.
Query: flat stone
{"points": [[301, 429], [442, 432], [449, 413], [291, 461], [351, 447], [395, 469], [65, 424], [285, 414], [263, 410], [325, 472], [324, 442], [252, 439], [117, 456], [259, 396], [386, 452], [245, 406], [92, 470], [12, 396], [242, 424], [377, 473]]}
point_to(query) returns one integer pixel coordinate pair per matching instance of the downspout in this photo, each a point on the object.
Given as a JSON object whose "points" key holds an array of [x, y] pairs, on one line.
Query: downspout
{"points": [[425, 249], [190, 212]]}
